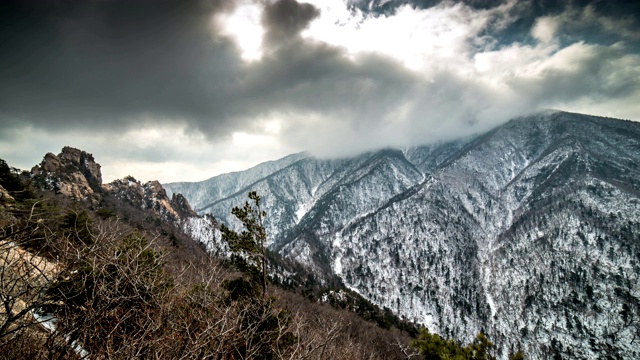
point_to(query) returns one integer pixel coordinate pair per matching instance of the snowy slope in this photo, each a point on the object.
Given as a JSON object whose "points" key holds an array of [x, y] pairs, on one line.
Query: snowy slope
{"points": [[205, 192], [530, 232]]}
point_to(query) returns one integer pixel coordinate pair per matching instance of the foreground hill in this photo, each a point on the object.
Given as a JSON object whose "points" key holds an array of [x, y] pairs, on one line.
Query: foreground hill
{"points": [[92, 270], [530, 231]]}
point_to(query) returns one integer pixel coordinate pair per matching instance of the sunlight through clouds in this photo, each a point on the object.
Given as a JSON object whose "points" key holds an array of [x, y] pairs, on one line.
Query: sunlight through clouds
{"points": [[243, 25], [206, 84]]}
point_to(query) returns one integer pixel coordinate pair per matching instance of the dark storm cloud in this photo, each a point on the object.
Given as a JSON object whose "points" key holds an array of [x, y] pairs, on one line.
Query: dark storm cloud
{"points": [[109, 65], [103, 63], [112, 64], [286, 18], [320, 79]]}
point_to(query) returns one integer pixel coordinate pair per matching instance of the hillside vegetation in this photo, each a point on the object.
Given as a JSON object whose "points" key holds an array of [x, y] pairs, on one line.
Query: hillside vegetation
{"points": [[101, 279]]}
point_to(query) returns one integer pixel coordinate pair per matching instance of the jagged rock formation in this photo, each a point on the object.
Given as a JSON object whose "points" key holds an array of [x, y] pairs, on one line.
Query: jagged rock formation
{"points": [[6, 200], [150, 195], [73, 173], [177, 211], [530, 232]]}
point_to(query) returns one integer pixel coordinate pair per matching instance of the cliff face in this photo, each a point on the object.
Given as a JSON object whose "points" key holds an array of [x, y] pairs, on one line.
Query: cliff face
{"points": [[150, 195], [6, 200], [6, 204], [73, 173], [76, 174], [529, 232]]}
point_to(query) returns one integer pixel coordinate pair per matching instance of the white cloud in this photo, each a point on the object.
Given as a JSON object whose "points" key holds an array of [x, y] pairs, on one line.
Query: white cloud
{"points": [[464, 89], [545, 28], [420, 39], [154, 152]]}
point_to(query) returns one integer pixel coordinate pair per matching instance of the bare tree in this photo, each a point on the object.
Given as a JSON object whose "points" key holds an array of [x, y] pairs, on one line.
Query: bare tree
{"points": [[112, 295], [24, 276]]}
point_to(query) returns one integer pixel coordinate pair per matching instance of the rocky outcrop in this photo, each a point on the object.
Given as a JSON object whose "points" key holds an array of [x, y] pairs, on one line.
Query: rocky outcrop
{"points": [[181, 205], [76, 174], [85, 163], [150, 195], [73, 172], [7, 202]]}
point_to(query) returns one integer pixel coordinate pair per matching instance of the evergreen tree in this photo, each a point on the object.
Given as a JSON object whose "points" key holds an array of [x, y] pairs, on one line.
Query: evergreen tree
{"points": [[251, 241], [434, 347], [480, 348]]}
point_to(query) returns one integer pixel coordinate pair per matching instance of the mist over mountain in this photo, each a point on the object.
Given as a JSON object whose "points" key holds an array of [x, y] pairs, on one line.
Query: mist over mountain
{"points": [[114, 270], [529, 232], [409, 173]]}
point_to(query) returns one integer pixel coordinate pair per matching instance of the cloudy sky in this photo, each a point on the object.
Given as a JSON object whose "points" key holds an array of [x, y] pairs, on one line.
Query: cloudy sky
{"points": [[187, 89]]}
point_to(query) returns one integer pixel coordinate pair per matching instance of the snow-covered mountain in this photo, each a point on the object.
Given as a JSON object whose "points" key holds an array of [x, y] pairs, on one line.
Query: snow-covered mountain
{"points": [[530, 232]]}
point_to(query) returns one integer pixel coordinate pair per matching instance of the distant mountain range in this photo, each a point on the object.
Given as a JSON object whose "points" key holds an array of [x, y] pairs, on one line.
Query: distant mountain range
{"points": [[530, 232]]}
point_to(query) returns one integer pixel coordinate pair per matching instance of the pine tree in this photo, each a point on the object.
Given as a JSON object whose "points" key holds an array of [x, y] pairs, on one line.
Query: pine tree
{"points": [[480, 348], [434, 347], [252, 240]]}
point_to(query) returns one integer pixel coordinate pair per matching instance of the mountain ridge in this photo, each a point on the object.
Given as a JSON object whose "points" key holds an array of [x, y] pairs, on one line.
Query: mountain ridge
{"points": [[428, 245]]}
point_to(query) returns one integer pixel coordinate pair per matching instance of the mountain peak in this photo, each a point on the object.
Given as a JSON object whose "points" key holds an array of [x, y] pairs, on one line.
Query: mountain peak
{"points": [[73, 172], [528, 231], [150, 195]]}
